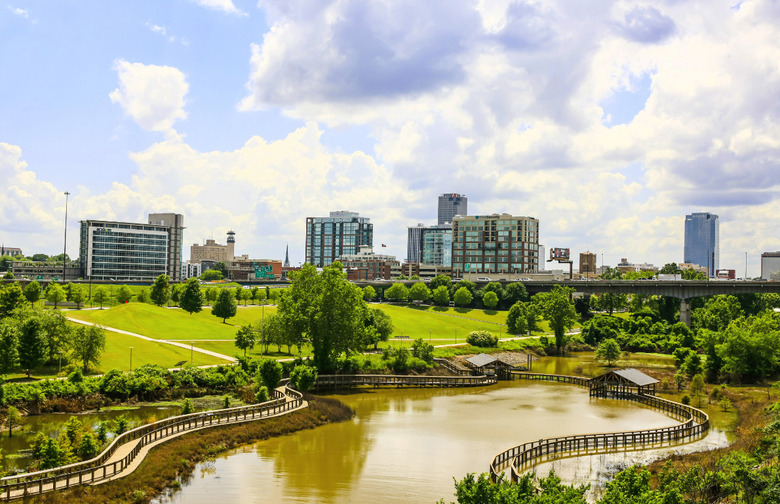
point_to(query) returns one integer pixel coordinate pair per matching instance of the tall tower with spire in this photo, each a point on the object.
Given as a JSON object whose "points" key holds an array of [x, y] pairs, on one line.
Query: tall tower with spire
{"points": [[231, 245], [287, 256]]}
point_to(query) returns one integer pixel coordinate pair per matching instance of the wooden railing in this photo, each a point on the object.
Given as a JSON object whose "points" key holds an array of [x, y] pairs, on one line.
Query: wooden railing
{"points": [[343, 381], [574, 380], [695, 424], [99, 468], [452, 368]]}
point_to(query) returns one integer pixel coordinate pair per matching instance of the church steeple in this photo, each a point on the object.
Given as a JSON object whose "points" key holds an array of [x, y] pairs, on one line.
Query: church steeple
{"points": [[287, 256]]}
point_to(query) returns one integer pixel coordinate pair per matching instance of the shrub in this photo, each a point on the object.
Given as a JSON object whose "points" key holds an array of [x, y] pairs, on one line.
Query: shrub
{"points": [[261, 395], [422, 350], [482, 339], [686, 400], [186, 407], [303, 377]]}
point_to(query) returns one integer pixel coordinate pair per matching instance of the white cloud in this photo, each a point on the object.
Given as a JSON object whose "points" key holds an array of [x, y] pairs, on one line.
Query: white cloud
{"points": [[221, 5], [152, 95], [19, 11]]}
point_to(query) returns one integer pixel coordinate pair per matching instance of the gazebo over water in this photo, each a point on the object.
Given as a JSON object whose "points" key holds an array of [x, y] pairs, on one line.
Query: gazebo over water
{"points": [[622, 382]]}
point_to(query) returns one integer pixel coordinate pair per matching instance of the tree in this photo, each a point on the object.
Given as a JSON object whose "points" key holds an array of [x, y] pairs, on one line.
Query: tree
{"points": [[245, 338], [56, 333], [369, 292], [269, 373], [211, 295], [608, 350], [142, 296], [88, 343], [33, 292], [100, 296], [462, 296], [176, 292], [303, 377], [397, 292], [496, 288], [191, 297], [609, 301], [326, 308], [718, 312], [515, 292], [490, 299], [88, 447], [559, 311], [260, 296], [11, 297], [8, 275], [670, 269], [697, 387], [382, 326], [692, 274], [32, 344], [440, 281], [161, 290], [420, 292], [246, 294], [13, 419], [516, 319], [77, 295], [124, 294], [220, 266], [441, 295], [211, 275], [9, 345], [225, 306], [55, 294]]}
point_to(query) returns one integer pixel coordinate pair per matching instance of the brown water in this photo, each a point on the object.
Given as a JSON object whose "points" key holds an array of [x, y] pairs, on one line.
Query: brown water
{"points": [[407, 445]]}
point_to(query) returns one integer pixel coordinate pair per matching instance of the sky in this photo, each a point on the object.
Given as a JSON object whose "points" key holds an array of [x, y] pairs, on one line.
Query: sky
{"points": [[608, 121]]}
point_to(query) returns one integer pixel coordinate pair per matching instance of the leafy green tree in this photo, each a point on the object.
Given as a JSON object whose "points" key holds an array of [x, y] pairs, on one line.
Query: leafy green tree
{"points": [[670, 269], [13, 419], [440, 281], [269, 373], [328, 309], [33, 292], [608, 350], [211, 275], [246, 294], [73, 428], [462, 296], [176, 290], [420, 292], [260, 296], [191, 297], [397, 292], [467, 284], [303, 377], [245, 338], [490, 300], [32, 344], [8, 276], [381, 325], [718, 312], [558, 310], [211, 295], [57, 333], [161, 290], [55, 294], [88, 447], [481, 490], [611, 274], [100, 296], [515, 292], [77, 295], [610, 301], [225, 306], [186, 407], [692, 365], [5, 262], [88, 343], [52, 455], [516, 319], [496, 288], [261, 395], [441, 295], [220, 266], [692, 274], [751, 347], [142, 296], [697, 388], [11, 297], [9, 345], [369, 293], [124, 294], [422, 350]]}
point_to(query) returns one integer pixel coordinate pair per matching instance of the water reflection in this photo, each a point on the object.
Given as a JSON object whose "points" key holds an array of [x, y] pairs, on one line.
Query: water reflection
{"points": [[406, 445]]}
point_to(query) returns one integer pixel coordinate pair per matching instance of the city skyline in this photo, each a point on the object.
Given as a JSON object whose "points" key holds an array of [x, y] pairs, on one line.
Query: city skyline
{"points": [[607, 121]]}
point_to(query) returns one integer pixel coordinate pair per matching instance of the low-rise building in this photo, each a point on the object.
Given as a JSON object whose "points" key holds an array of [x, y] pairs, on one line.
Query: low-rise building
{"points": [[770, 263], [244, 269], [46, 270], [366, 265]]}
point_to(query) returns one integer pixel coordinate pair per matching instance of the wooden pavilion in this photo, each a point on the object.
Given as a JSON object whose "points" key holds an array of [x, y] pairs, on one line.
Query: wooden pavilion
{"points": [[622, 382], [488, 365]]}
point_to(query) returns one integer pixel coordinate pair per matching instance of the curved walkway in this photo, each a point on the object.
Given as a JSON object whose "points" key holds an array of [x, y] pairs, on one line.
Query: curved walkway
{"points": [[167, 342], [693, 425], [127, 450]]}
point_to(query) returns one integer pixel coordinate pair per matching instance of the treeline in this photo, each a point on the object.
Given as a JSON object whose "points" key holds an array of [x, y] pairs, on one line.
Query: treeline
{"points": [[464, 293]]}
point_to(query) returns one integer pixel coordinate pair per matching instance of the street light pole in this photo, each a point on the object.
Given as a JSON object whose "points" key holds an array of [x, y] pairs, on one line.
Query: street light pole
{"points": [[131, 358], [191, 347], [65, 245]]}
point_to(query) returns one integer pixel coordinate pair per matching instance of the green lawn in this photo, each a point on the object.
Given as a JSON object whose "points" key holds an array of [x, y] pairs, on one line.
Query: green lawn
{"points": [[442, 327], [171, 323]]}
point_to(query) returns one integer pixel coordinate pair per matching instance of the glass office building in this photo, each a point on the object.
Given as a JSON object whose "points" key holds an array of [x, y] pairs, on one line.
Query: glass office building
{"points": [[129, 251], [702, 241], [450, 205], [437, 246], [341, 233]]}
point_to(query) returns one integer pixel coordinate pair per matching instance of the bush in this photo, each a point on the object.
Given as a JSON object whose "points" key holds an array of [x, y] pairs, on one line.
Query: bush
{"points": [[482, 339], [261, 395], [186, 407], [422, 350], [303, 377], [686, 400]]}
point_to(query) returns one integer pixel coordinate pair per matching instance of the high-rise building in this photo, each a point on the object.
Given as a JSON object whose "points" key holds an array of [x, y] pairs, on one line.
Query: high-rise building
{"points": [[587, 263], [132, 251], [437, 245], [702, 241], [341, 233], [414, 243], [451, 205], [770, 263], [501, 244]]}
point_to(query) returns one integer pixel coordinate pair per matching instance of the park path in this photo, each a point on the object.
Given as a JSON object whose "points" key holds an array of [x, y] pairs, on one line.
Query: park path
{"points": [[167, 342]]}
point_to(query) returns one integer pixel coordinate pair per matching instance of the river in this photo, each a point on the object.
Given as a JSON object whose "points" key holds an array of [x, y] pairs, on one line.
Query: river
{"points": [[406, 445]]}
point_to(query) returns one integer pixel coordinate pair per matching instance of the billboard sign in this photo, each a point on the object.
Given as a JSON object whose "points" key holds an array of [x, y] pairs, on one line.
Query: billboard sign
{"points": [[559, 254], [263, 271]]}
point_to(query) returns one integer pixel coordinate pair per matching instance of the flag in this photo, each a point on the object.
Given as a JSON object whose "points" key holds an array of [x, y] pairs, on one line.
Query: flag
{"points": [[384, 245]]}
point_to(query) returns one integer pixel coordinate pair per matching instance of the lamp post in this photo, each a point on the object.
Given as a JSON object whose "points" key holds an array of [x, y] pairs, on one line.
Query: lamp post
{"points": [[131, 358], [746, 266], [429, 335], [191, 350], [59, 363], [65, 245]]}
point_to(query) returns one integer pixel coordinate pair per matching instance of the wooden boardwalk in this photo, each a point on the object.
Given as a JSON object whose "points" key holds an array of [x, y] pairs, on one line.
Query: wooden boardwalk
{"points": [[694, 423], [347, 381], [126, 451]]}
